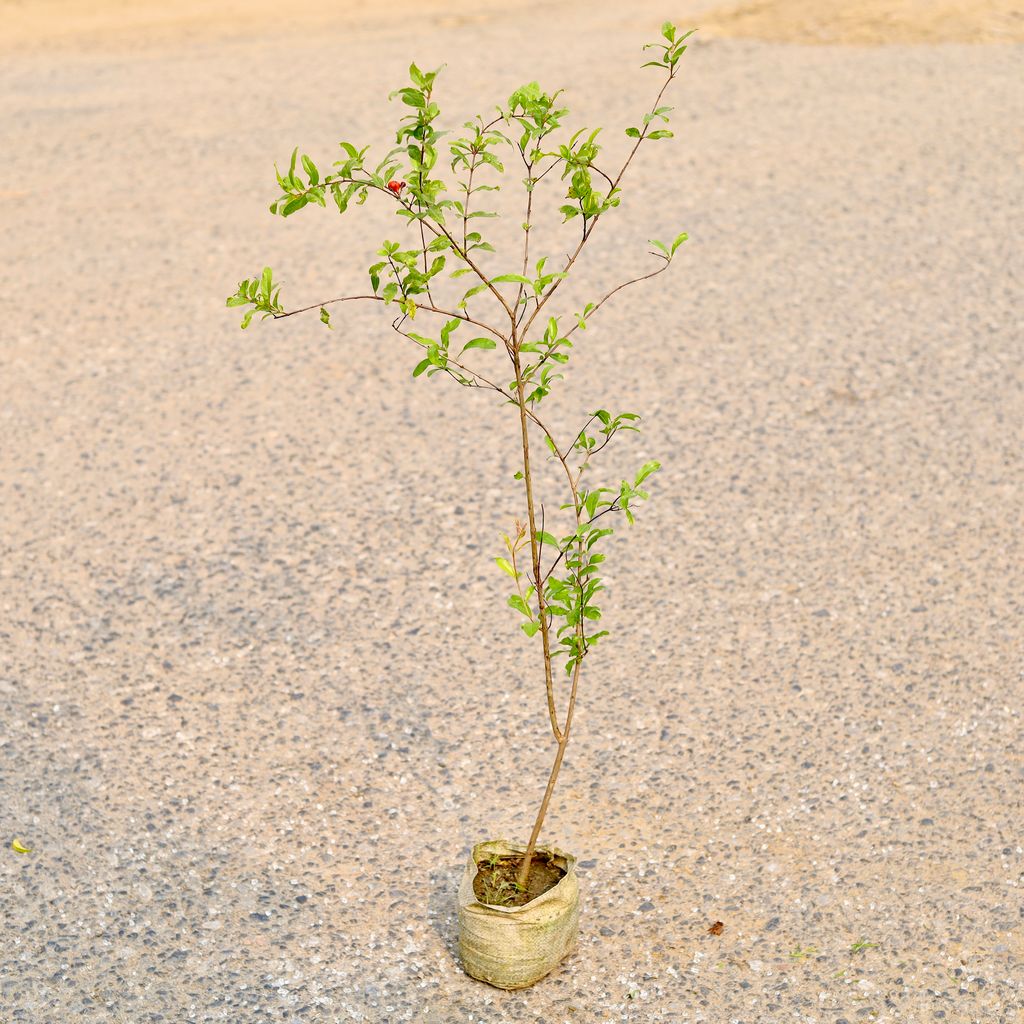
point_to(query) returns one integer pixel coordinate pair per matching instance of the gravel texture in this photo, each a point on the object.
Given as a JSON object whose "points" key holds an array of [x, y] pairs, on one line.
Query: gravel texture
{"points": [[258, 690]]}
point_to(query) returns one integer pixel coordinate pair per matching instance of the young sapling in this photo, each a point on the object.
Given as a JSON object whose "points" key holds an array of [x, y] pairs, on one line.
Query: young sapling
{"points": [[457, 299]]}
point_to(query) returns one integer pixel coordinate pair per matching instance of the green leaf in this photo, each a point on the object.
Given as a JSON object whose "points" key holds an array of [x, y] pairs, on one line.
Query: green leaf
{"points": [[411, 97], [546, 538], [294, 205], [633, 133], [486, 343], [449, 326], [421, 366], [471, 292], [679, 240], [661, 133], [515, 601], [325, 317], [314, 174], [266, 279], [247, 319], [505, 565], [645, 471], [530, 628], [518, 278]]}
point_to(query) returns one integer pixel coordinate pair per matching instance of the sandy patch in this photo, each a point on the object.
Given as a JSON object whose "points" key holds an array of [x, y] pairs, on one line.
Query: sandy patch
{"points": [[55, 24], [47, 24], [870, 22]]}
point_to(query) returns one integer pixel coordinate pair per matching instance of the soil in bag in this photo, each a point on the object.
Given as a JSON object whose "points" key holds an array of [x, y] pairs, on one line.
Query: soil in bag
{"points": [[495, 882]]}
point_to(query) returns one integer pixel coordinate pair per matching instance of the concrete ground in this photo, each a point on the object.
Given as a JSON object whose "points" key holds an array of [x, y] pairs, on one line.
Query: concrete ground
{"points": [[259, 692]]}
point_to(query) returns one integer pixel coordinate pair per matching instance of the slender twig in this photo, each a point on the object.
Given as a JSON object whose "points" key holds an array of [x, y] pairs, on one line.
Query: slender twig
{"points": [[424, 126], [463, 255], [526, 233], [484, 382], [465, 207], [615, 184], [550, 167], [580, 434], [576, 326], [438, 229], [613, 507], [380, 298]]}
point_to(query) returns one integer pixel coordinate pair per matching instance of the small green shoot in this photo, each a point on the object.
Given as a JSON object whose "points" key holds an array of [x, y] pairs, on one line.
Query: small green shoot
{"points": [[803, 953], [863, 944]]}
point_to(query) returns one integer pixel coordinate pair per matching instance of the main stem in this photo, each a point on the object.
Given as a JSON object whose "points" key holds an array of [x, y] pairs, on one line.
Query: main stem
{"points": [[561, 735], [534, 545], [524, 868]]}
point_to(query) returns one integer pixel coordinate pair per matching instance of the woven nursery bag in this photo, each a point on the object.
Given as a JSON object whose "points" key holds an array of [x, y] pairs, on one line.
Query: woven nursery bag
{"points": [[514, 947]]}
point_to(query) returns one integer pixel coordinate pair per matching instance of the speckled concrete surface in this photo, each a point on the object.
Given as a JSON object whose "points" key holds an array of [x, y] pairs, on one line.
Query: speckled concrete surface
{"points": [[258, 692]]}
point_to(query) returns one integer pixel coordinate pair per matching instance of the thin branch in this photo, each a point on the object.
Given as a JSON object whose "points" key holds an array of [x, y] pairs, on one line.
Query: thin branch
{"points": [[550, 167], [380, 298], [437, 229], [618, 288], [526, 232], [464, 255], [483, 381], [424, 126], [465, 207], [561, 554], [580, 434], [590, 231], [572, 330], [594, 167]]}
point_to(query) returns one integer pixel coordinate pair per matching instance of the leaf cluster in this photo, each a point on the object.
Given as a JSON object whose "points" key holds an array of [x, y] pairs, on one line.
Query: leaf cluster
{"points": [[437, 184], [261, 293]]}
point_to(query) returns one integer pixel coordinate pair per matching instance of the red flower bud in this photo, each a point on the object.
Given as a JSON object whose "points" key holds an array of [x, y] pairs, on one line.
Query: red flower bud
{"points": [[396, 186]]}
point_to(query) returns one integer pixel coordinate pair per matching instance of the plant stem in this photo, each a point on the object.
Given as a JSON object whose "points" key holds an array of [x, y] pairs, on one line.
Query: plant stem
{"points": [[587, 233], [524, 868], [534, 547], [561, 735]]}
